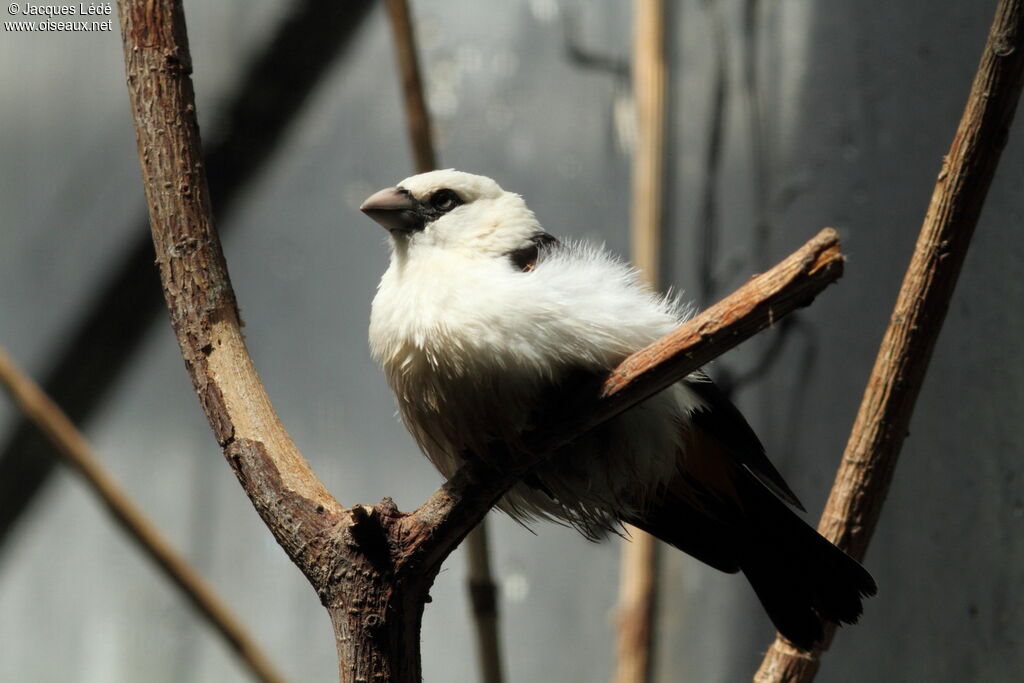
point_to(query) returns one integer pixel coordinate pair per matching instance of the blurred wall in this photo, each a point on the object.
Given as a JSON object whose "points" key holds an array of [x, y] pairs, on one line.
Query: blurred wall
{"points": [[843, 121]]}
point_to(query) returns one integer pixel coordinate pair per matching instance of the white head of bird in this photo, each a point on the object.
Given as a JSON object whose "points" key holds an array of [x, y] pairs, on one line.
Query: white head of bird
{"points": [[454, 211]]}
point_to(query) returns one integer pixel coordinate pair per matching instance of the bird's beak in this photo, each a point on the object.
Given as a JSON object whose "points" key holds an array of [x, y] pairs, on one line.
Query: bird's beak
{"points": [[395, 209]]}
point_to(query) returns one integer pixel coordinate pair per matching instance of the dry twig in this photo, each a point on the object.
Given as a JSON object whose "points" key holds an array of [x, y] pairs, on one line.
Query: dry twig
{"points": [[869, 461], [371, 566], [70, 445]]}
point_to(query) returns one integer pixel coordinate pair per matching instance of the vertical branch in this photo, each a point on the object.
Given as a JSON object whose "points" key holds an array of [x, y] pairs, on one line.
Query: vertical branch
{"points": [[345, 554], [865, 473], [638, 587], [483, 592], [708, 219], [639, 578], [195, 278], [760, 159], [649, 159], [69, 444]]}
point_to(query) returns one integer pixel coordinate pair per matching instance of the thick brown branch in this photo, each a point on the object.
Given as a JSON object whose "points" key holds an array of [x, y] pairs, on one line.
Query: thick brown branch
{"points": [[869, 461], [454, 509], [306, 520], [69, 444], [192, 269]]}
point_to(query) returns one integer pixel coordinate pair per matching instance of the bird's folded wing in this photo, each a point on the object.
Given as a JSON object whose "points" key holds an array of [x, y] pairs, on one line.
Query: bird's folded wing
{"points": [[719, 418]]}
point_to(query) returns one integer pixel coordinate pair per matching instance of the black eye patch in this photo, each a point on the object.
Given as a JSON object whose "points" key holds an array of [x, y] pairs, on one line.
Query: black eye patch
{"points": [[444, 200]]}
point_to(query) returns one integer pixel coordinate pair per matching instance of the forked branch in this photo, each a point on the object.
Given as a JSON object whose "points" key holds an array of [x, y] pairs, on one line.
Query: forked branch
{"points": [[371, 566]]}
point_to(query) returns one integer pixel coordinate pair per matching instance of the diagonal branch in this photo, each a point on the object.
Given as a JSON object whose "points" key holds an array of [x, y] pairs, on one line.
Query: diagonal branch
{"points": [[70, 445], [867, 467]]}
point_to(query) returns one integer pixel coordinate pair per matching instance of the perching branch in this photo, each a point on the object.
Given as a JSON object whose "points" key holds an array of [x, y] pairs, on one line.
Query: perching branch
{"points": [[70, 445], [869, 461], [371, 566]]}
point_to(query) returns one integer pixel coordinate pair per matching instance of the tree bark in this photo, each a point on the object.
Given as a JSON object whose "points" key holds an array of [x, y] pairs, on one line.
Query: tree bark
{"points": [[867, 467], [371, 566]]}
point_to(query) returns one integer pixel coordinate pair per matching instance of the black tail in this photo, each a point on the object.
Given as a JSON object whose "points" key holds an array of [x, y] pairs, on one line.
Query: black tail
{"points": [[801, 578]]}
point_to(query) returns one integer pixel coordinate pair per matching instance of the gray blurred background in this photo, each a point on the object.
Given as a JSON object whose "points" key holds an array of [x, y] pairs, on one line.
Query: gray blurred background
{"points": [[842, 121]]}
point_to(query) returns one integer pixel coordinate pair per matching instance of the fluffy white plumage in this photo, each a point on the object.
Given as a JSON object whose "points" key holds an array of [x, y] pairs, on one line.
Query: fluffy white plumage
{"points": [[468, 341], [480, 312]]}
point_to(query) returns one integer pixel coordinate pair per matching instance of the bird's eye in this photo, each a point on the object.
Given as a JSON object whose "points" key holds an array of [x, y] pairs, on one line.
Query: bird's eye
{"points": [[445, 200]]}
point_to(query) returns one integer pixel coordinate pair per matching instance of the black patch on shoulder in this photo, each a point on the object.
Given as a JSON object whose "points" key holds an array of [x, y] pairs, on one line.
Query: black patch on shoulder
{"points": [[525, 258]]}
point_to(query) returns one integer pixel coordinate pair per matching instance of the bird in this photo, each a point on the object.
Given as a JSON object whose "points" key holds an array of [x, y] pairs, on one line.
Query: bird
{"points": [[481, 313]]}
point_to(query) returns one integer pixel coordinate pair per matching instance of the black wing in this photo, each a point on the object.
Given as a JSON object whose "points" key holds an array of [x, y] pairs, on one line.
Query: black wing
{"points": [[721, 419]]}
